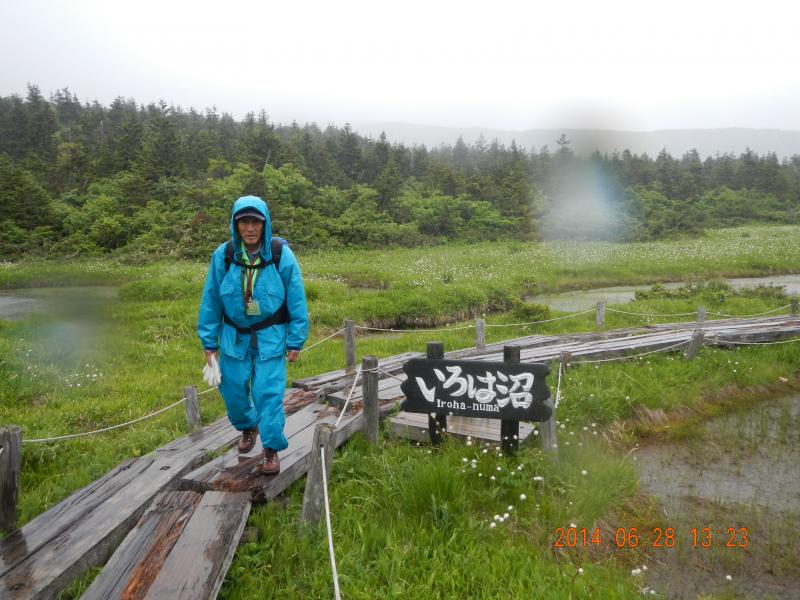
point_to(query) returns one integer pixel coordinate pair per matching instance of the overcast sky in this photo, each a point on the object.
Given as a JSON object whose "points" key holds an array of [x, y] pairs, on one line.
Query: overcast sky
{"points": [[635, 65]]}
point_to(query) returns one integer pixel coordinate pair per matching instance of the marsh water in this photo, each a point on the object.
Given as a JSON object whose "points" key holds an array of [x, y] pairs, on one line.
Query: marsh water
{"points": [[733, 476], [20, 303], [585, 299]]}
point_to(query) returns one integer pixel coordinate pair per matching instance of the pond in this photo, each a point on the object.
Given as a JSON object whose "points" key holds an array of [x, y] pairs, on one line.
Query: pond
{"points": [[20, 303], [585, 299]]}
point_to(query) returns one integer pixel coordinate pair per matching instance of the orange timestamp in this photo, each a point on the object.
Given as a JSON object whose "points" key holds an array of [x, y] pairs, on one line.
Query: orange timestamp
{"points": [[656, 537]]}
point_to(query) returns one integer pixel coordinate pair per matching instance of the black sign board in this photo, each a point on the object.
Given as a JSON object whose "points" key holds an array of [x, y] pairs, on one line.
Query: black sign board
{"points": [[474, 388]]}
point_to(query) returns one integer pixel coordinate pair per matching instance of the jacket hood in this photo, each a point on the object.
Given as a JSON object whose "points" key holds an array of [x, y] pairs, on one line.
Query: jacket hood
{"points": [[261, 206]]}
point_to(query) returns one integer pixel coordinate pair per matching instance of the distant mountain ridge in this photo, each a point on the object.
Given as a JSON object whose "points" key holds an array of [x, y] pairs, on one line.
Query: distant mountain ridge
{"points": [[708, 142]]}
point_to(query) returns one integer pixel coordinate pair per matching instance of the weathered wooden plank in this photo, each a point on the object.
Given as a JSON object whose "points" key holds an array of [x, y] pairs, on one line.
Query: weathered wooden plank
{"points": [[232, 474], [82, 531], [388, 389], [414, 426], [134, 566], [201, 478], [196, 566]]}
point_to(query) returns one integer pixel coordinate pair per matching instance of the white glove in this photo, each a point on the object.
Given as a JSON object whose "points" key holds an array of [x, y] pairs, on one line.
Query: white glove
{"points": [[211, 374]]}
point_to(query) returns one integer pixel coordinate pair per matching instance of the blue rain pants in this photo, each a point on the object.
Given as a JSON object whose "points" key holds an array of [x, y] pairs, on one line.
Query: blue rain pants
{"points": [[253, 391]]}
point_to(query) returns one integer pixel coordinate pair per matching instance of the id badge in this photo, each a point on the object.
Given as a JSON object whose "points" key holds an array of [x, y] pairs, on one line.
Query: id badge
{"points": [[252, 308]]}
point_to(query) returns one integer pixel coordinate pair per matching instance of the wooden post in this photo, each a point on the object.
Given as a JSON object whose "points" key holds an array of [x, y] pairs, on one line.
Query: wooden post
{"points": [[601, 314], [191, 406], [10, 461], [369, 387], [480, 333], [436, 423], [349, 345], [509, 430], [548, 429], [701, 314], [314, 497], [694, 345], [794, 306]]}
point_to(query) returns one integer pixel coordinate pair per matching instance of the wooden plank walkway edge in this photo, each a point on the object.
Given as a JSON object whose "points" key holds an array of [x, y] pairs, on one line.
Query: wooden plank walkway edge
{"points": [[82, 531]]}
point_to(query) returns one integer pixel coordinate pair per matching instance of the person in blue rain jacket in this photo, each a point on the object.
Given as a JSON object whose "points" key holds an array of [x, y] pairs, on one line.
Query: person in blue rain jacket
{"points": [[253, 317]]}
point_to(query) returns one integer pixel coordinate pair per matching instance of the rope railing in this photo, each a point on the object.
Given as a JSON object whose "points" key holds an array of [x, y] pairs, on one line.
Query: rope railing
{"points": [[630, 356], [423, 330], [347, 400], [323, 340], [569, 316], [331, 553], [761, 314], [112, 427], [638, 314]]}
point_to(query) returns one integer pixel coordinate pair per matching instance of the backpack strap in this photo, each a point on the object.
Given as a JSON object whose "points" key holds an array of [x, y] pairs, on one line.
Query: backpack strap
{"points": [[277, 252], [228, 255]]}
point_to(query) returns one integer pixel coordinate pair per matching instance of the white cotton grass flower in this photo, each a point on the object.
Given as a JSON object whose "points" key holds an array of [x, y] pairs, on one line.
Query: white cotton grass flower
{"points": [[728, 578], [499, 468], [505, 516], [492, 477], [573, 525], [497, 517], [584, 472], [510, 508], [580, 570], [538, 478], [492, 525], [464, 460], [523, 497]]}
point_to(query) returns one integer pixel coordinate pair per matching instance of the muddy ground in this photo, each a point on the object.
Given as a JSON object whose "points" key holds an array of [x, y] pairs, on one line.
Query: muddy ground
{"points": [[737, 472]]}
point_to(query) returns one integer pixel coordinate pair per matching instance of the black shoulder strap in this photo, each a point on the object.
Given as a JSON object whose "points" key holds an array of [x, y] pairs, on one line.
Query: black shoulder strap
{"points": [[277, 252], [228, 255]]}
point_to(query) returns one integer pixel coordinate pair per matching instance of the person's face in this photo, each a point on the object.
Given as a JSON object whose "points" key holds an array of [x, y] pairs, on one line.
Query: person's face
{"points": [[250, 230]]}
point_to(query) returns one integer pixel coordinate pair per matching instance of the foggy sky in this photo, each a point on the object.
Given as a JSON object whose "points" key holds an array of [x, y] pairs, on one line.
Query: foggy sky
{"points": [[624, 65]]}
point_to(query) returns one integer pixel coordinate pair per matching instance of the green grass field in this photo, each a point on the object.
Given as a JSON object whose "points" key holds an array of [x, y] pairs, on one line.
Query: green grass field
{"points": [[409, 521]]}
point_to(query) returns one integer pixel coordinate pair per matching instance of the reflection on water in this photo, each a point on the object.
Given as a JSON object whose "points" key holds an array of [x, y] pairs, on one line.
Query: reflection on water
{"points": [[70, 320], [585, 299]]}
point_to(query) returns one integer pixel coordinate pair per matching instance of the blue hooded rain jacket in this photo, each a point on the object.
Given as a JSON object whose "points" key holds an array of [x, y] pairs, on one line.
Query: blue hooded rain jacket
{"points": [[273, 285]]}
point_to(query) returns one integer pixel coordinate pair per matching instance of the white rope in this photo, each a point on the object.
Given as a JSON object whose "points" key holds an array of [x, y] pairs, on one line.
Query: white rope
{"points": [[558, 385], [346, 402], [486, 325], [719, 341], [85, 433], [544, 321], [328, 524], [325, 340], [625, 312], [390, 375], [414, 330], [754, 315], [600, 360]]}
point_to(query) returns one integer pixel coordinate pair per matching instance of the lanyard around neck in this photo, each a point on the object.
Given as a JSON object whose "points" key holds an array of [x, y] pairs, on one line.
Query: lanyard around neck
{"points": [[250, 273]]}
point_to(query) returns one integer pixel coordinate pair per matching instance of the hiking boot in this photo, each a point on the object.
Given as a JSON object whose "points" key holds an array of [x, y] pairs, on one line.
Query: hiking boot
{"points": [[270, 465], [248, 440]]}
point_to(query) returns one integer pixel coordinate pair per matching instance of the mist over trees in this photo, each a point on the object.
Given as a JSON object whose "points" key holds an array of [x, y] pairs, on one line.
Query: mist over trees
{"points": [[83, 178]]}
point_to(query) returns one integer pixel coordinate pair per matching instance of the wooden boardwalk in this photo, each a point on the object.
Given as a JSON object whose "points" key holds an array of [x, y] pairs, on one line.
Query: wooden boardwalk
{"points": [[166, 525]]}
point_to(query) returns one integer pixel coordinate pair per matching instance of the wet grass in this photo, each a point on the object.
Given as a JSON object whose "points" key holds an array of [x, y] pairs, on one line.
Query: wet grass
{"points": [[406, 522]]}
